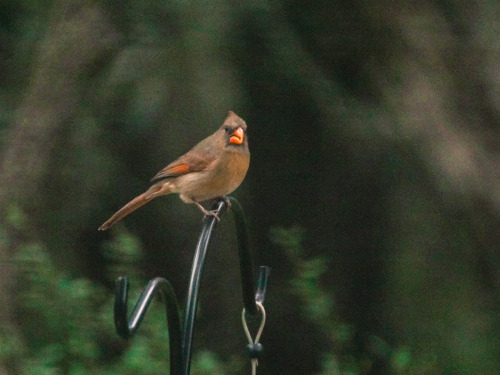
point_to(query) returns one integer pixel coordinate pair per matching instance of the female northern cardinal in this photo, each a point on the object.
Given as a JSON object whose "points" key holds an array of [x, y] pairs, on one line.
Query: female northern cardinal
{"points": [[213, 168]]}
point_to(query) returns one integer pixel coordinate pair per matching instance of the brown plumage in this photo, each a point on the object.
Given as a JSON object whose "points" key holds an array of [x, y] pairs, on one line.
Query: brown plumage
{"points": [[213, 168]]}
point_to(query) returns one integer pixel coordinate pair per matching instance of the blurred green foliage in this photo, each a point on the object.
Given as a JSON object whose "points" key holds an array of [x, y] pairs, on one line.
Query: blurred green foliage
{"points": [[67, 324]]}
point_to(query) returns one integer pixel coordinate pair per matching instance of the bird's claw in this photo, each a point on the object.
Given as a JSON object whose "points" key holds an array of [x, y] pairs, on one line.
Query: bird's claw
{"points": [[206, 212], [213, 213]]}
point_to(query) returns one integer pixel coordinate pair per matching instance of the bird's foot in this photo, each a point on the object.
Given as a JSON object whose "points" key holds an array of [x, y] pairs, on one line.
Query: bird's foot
{"points": [[206, 212], [211, 213]]}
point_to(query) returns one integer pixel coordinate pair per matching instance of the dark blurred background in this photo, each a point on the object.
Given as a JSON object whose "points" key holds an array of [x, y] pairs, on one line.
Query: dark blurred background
{"points": [[373, 190]]}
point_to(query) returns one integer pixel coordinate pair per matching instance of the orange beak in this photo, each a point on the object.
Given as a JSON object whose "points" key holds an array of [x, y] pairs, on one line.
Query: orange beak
{"points": [[237, 137]]}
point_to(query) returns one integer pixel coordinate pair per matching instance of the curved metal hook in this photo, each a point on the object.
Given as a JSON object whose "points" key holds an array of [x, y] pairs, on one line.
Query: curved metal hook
{"points": [[126, 328], [250, 296]]}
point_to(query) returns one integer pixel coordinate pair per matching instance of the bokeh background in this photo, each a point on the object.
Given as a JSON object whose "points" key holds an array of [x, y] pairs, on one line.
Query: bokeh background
{"points": [[373, 190]]}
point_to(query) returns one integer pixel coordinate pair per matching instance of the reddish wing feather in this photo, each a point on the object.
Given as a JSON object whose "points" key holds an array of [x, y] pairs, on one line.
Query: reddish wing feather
{"points": [[172, 170], [187, 163], [178, 169]]}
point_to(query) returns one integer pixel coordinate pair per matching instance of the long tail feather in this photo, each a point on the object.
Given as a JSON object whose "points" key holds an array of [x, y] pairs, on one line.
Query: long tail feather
{"points": [[160, 188], [131, 206]]}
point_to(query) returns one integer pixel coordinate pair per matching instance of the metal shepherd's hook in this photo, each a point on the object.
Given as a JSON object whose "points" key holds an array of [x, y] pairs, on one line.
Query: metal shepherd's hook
{"points": [[181, 340]]}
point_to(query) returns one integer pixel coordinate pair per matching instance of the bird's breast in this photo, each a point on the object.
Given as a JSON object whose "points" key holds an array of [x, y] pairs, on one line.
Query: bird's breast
{"points": [[220, 179]]}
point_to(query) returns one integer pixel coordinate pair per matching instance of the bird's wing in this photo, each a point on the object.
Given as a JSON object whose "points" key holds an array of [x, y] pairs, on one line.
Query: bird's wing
{"points": [[188, 163]]}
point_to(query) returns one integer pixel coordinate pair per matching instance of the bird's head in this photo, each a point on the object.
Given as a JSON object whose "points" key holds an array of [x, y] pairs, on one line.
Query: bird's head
{"points": [[235, 130]]}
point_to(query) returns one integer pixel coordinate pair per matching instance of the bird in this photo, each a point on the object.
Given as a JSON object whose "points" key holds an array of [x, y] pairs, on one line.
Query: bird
{"points": [[213, 168]]}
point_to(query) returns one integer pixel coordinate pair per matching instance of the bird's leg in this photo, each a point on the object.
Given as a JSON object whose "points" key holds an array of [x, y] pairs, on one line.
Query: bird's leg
{"points": [[207, 212]]}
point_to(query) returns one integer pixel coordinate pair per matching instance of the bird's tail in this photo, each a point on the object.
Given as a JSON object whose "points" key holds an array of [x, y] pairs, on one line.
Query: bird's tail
{"points": [[131, 206], [153, 192]]}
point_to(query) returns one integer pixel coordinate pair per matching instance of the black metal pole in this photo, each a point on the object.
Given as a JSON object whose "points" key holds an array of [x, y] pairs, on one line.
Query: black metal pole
{"points": [[194, 286]]}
